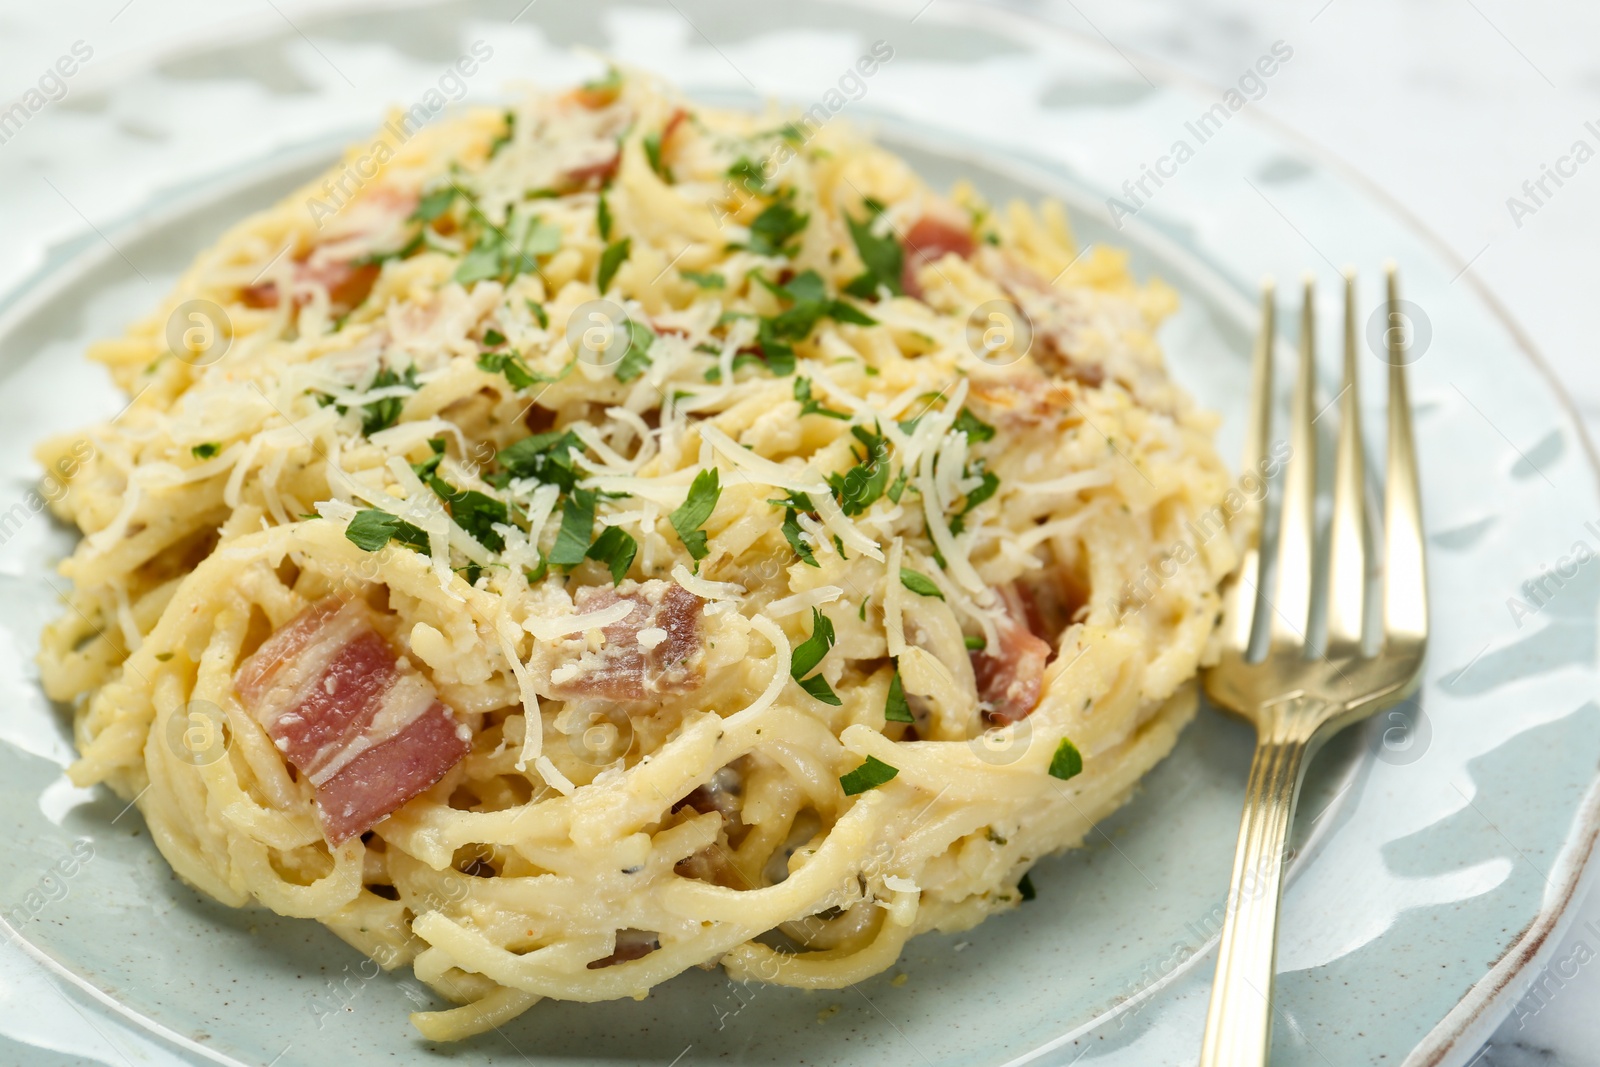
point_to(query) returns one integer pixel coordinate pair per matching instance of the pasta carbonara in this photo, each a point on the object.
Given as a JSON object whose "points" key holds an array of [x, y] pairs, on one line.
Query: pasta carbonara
{"points": [[570, 544]]}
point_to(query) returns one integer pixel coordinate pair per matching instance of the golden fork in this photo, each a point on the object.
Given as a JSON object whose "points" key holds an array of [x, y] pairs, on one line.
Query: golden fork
{"points": [[1295, 696]]}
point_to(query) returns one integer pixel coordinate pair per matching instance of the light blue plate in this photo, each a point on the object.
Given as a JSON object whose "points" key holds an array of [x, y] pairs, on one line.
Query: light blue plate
{"points": [[1438, 846]]}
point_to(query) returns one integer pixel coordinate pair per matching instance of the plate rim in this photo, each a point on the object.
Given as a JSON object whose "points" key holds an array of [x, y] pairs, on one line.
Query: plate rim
{"points": [[1485, 1004]]}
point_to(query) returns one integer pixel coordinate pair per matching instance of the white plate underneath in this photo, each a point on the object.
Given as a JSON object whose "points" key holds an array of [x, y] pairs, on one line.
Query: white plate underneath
{"points": [[1439, 846]]}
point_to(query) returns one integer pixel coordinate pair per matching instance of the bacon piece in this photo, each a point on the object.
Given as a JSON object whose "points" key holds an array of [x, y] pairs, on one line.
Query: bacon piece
{"points": [[1010, 681], [673, 122], [623, 668], [599, 172], [365, 728], [631, 945], [722, 794], [264, 295], [348, 286], [929, 239], [595, 96]]}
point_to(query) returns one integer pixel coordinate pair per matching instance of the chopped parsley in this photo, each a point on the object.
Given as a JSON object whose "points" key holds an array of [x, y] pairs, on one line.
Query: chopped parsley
{"points": [[577, 523], [810, 303], [473, 511], [975, 644], [991, 483], [377, 259], [602, 218], [740, 361], [706, 280], [1025, 887], [205, 451], [504, 252], [544, 457], [777, 225], [493, 338], [695, 510], [539, 314], [652, 152], [1067, 761], [975, 428], [791, 534], [898, 486], [615, 547], [384, 413], [809, 653], [810, 406], [371, 529], [874, 772], [435, 204], [518, 373], [504, 138], [747, 172], [919, 584], [426, 468], [883, 257], [610, 84], [793, 505], [610, 260], [861, 486], [637, 357], [791, 132], [895, 708]]}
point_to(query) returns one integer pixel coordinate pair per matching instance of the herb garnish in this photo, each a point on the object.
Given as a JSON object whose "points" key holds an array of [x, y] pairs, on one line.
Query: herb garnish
{"points": [[919, 584], [371, 529], [777, 225], [435, 204], [577, 522], [860, 486], [505, 252], [1067, 761], [637, 357], [518, 373], [384, 413], [895, 707], [809, 653], [793, 505], [652, 152], [426, 468], [615, 547], [610, 260], [810, 302], [810, 406], [704, 493], [706, 280], [874, 772], [747, 172], [975, 428], [883, 257], [474, 512], [544, 457], [206, 450]]}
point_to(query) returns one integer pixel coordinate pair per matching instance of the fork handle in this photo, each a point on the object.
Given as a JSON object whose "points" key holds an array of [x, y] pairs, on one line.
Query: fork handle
{"points": [[1239, 1020]]}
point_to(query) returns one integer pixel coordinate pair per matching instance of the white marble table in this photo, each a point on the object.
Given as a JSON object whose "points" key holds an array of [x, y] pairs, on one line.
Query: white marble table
{"points": [[1449, 105]]}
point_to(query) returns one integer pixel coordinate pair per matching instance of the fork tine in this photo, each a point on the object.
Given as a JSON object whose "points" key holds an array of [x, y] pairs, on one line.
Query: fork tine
{"points": [[1405, 575], [1347, 552], [1296, 531], [1240, 599]]}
